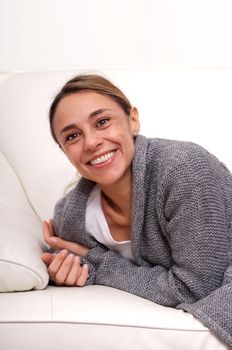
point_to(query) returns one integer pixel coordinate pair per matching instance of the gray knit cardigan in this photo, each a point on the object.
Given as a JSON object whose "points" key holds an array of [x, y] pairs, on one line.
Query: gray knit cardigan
{"points": [[181, 232]]}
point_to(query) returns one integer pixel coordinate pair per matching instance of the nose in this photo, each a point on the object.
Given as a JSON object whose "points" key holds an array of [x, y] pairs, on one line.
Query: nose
{"points": [[92, 141]]}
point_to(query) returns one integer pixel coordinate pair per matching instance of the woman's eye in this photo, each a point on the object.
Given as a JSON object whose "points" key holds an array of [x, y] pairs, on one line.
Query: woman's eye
{"points": [[72, 136], [102, 121]]}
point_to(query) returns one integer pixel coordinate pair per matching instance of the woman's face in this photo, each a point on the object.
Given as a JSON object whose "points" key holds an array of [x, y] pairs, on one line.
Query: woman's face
{"points": [[97, 136]]}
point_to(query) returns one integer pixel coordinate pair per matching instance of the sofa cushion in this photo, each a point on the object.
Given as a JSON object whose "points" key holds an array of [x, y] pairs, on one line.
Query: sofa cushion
{"points": [[20, 244], [99, 318], [33, 177]]}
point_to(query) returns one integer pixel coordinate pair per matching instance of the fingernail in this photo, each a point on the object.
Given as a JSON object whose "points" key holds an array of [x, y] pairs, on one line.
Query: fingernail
{"points": [[64, 252], [53, 240]]}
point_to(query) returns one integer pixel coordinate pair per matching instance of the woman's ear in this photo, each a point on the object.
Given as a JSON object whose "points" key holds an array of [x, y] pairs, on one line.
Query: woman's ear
{"points": [[134, 121]]}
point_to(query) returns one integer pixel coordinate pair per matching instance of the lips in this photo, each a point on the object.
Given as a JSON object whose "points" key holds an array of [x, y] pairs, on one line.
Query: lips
{"points": [[103, 158]]}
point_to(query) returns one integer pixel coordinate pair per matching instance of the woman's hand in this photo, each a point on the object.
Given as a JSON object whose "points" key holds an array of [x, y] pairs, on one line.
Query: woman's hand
{"points": [[64, 268], [58, 243]]}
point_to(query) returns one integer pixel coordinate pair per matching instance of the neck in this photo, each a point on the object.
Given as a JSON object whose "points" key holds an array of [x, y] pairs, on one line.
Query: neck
{"points": [[119, 196]]}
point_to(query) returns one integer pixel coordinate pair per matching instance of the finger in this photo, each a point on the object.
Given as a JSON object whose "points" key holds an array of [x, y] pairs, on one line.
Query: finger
{"points": [[50, 223], [59, 243], [47, 258], [74, 272], [50, 238], [81, 281], [47, 232], [56, 264], [76, 248], [64, 269]]}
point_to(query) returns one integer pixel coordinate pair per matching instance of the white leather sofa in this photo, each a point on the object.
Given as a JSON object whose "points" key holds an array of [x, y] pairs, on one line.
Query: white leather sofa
{"points": [[181, 103]]}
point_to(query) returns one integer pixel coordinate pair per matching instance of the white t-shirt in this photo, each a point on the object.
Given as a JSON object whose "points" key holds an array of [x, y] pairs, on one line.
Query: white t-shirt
{"points": [[96, 225]]}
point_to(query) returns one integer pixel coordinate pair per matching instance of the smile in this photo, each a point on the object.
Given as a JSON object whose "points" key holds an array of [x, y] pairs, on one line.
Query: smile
{"points": [[102, 159]]}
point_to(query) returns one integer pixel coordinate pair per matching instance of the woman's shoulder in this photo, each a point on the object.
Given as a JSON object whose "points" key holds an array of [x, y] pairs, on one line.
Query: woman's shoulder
{"points": [[76, 195], [170, 147], [178, 157], [165, 151], [72, 206], [173, 152]]}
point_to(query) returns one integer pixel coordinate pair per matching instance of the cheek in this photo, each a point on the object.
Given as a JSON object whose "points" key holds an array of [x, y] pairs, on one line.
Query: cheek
{"points": [[121, 134], [73, 155], [130, 149]]}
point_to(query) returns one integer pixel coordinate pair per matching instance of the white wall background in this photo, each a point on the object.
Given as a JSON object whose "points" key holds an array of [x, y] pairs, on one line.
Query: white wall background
{"points": [[189, 104], [73, 34]]}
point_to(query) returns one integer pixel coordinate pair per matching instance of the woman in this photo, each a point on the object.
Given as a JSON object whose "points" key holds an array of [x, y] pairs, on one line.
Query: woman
{"points": [[149, 216]]}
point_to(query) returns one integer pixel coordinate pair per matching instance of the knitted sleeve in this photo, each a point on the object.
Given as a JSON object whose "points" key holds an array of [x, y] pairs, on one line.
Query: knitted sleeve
{"points": [[192, 209]]}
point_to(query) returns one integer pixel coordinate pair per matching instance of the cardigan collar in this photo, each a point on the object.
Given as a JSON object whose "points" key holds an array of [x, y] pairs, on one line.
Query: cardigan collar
{"points": [[138, 196]]}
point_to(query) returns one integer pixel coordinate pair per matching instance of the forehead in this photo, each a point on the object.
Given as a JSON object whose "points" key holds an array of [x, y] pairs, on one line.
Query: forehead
{"points": [[84, 102], [77, 108]]}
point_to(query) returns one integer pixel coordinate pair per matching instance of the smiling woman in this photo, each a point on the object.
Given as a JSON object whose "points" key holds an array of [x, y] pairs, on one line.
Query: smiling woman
{"points": [[149, 216]]}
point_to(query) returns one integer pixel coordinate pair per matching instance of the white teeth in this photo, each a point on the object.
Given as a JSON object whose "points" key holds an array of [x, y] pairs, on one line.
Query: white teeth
{"points": [[102, 159]]}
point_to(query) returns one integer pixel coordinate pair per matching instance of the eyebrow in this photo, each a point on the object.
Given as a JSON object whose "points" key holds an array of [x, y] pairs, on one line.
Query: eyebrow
{"points": [[98, 111], [92, 114]]}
